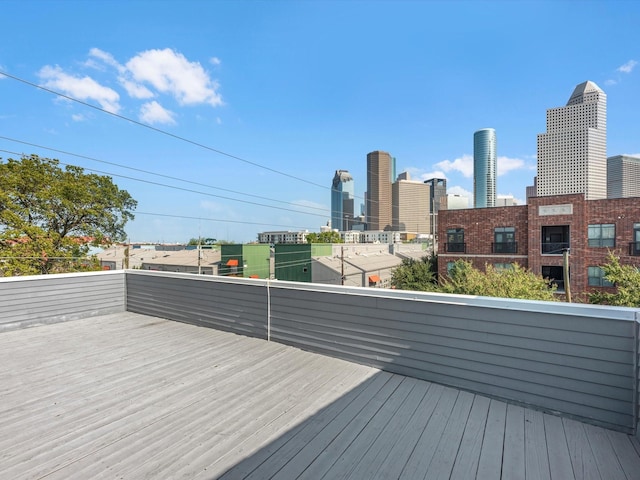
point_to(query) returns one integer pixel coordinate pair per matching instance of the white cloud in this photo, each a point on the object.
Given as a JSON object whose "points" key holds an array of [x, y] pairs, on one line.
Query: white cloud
{"points": [[462, 164], [106, 58], [419, 174], [154, 113], [506, 164], [81, 88], [215, 61], [135, 90], [170, 72], [610, 82], [627, 67], [78, 117]]}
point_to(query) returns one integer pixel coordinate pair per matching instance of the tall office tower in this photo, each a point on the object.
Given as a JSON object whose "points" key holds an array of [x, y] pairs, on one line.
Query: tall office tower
{"points": [[532, 190], [623, 176], [411, 204], [572, 154], [437, 200], [342, 198], [380, 171], [485, 164]]}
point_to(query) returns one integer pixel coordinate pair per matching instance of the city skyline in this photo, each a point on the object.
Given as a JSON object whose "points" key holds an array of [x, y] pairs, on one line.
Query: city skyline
{"points": [[232, 116]]}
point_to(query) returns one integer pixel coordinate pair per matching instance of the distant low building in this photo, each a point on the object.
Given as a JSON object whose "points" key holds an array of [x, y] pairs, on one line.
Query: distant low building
{"points": [[283, 237], [505, 201], [457, 202]]}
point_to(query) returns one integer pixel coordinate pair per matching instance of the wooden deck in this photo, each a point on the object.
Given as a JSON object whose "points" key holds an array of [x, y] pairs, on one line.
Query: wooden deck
{"points": [[129, 396]]}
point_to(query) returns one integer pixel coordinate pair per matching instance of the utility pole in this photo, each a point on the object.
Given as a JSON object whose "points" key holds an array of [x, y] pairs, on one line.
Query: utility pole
{"points": [[199, 251], [565, 267], [342, 265]]}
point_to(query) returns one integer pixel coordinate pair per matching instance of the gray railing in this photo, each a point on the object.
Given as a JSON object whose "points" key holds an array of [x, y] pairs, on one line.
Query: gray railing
{"points": [[34, 300], [578, 360]]}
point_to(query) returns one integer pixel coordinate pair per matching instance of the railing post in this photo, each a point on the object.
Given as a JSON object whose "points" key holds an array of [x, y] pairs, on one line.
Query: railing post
{"points": [[268, 311], [636, 374]]}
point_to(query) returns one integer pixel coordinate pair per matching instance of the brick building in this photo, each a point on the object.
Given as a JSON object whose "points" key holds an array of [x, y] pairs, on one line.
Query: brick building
{"points": [[536, 235]]}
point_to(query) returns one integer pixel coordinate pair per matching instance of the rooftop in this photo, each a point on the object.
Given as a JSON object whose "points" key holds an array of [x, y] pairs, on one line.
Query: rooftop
{"points": [[128, 395]]}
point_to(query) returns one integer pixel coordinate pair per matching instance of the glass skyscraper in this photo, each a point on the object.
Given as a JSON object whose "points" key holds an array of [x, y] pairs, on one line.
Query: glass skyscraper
{"points": [[342, 197], [485, 164]]}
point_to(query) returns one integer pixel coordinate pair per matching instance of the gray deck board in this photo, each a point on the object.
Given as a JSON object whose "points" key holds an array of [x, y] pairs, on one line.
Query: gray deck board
{"points": [[130, 396], [557, 448], [490, 462], [536, 455], [513, 464]]}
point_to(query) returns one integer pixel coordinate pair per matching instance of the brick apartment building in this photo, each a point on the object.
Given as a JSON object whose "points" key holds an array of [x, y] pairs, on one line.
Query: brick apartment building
{"points": [[536, 235]]}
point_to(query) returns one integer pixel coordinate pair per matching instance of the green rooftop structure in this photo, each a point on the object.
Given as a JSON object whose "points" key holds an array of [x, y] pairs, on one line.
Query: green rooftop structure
{"points": [[248, 261], [293, 261]]}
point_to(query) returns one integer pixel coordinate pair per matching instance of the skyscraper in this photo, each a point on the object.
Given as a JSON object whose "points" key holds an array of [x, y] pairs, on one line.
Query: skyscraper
{"points": [[623, 176], [411, 205], [485, 164], [342, 198], [381, 169], [572, 154]]}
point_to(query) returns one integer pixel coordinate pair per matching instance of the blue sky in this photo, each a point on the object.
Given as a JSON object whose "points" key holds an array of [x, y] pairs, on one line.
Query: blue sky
{"points": [[254, 104]]}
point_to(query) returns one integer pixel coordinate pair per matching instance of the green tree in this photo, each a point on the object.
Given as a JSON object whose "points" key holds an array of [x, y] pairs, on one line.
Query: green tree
{"points": [[514, 282], [324, 237], [49, 216], [415, 274], [626, 279]]}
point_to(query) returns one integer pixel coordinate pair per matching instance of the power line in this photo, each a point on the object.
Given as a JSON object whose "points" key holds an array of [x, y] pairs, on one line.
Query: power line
{"points": [[185, 189], [162, 132], [152, 173], [216, 220], [178, 137]]}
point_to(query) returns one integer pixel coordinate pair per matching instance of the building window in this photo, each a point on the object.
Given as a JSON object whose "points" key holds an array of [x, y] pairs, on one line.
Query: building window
{"points": [[455, 240], [634, 247], [450, 266], [603, 235], [555, 239], [504, 240], [597, 278], [503, 266], [555, 275]]}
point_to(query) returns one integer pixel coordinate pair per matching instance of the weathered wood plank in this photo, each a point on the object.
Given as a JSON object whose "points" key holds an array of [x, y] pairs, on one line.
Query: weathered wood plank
{"points": [[426, 446], [336, 435], [604, 453], [401, 451], [490, 462], [466, 464], [626, 453], [393, 434], [347, 449], [448, 448], [557, 448], [131, 396], [513, 462], [536, 456], [583, 461]]}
